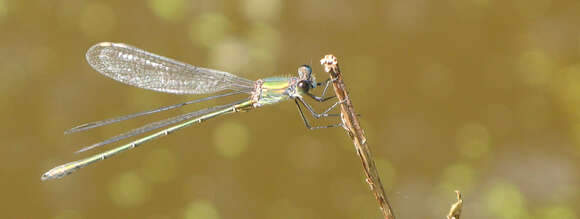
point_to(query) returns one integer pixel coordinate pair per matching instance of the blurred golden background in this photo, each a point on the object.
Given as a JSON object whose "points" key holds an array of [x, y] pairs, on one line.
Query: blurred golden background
{"points": [[477, 95]]}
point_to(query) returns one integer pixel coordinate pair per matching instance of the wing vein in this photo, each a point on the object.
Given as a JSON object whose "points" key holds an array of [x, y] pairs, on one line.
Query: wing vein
{"points": [[146, 70]]}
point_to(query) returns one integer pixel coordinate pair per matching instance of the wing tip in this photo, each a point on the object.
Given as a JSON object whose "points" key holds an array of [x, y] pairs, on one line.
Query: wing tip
{"points": [[104, 44], [101, 45], [93, 53]]}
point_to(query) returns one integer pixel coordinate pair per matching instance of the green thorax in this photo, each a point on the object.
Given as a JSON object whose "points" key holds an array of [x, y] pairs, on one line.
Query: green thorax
{"points": [[276, 89]]}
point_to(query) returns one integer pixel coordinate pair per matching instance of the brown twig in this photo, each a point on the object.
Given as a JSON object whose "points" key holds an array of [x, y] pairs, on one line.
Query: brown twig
{"points": [[456, 208], [352, 127]]}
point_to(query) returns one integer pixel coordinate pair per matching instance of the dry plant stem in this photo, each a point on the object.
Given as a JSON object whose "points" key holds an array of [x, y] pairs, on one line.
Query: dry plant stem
{"points": [[456, 208], [352, 127]]}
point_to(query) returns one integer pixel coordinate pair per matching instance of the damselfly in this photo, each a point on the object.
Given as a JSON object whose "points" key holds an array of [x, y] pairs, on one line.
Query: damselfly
{"points": [[142, 69]]}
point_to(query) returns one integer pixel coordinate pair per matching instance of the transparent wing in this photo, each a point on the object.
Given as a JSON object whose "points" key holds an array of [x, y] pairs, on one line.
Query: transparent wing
{"points": [[157, 125], [142, 69], [92, 125]]}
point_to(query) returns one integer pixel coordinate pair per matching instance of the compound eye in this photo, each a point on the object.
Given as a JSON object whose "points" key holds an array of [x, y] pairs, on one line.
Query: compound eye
{"points": [[304, 72], [304, 85]]}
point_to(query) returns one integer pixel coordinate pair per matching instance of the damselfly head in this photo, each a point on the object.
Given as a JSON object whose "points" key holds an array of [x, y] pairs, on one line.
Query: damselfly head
{"points": [[306, 77]]}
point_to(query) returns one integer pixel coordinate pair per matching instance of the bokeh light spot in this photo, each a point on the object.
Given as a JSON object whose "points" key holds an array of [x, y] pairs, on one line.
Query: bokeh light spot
{"points": [[576, 136], [159, 166], [473, 141], [3, 9], [170, 10], [307, 156], [231, 54], [504, 200], [262, 10], [97, 20], [568, 87], [201, 210], [536, 67], [264, 43], [231, 139], [560, 212], [405, 15], [209, 29], [128, 190]]}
